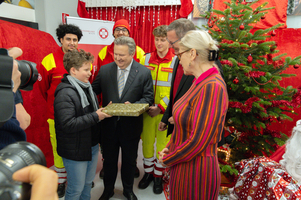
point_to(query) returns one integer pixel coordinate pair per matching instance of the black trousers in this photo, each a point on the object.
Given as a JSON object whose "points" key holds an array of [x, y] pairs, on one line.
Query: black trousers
{"points": [[129, 148]]}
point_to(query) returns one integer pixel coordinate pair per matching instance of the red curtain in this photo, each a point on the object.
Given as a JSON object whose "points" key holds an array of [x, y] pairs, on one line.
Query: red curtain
{"points": [[142, 20]]}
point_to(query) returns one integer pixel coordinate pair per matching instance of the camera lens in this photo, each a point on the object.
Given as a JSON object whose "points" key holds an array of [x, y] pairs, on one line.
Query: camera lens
{"points": [[29, 74], [16, 156]]}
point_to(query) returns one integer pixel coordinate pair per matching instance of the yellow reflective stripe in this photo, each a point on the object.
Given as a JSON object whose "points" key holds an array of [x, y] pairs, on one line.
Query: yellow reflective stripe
{"points": [[103, 52], [48, 62]]}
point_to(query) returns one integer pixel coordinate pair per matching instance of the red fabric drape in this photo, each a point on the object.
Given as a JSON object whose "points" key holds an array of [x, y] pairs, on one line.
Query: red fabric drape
{"points": [[81, 9], [186, 8], [142, 20], [273, 17]]}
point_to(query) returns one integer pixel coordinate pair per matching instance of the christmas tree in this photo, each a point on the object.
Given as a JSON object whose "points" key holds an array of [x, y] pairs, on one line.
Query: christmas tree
{"points": [[252, 71]]}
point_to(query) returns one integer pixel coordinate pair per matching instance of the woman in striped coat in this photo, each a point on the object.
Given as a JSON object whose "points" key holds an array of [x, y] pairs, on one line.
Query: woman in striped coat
{"points": [[199, 119]]}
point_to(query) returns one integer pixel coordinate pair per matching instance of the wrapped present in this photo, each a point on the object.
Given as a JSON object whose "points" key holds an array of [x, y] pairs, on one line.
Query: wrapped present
{"points": [[121, 109], [263, 178]]}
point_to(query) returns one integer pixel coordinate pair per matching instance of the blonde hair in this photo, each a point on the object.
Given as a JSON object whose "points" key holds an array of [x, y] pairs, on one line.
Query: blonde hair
{"points": [[201, 41]]}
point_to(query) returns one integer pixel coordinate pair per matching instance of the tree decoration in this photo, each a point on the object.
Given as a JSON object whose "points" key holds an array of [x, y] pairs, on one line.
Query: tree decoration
{"points": [[250, 58], [236, 81], [252, 73], [273, 33]]}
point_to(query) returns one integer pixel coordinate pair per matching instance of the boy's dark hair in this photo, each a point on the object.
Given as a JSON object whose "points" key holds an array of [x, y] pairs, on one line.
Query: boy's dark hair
{"points": [[76, 59], [64, 29], [160, 31]]}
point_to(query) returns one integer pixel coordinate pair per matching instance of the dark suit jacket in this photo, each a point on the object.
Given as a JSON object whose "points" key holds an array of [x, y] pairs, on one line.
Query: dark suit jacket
{"points": [[184, 85], [138, 89]]}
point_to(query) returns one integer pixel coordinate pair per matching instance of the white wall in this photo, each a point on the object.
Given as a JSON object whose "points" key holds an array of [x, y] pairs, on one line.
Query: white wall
{"points": [[49, 13]]}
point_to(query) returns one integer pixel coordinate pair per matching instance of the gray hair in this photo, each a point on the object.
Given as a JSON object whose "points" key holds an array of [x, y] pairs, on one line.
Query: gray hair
{"points": [[201, 41], [128, 41], [181, 27]]}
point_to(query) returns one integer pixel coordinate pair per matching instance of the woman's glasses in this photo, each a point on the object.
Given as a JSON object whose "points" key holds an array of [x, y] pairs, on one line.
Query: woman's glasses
{"points": [[180, 54]]}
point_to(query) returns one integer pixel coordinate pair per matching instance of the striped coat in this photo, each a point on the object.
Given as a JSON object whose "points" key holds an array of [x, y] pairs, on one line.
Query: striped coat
{"points": [[199, 120]]}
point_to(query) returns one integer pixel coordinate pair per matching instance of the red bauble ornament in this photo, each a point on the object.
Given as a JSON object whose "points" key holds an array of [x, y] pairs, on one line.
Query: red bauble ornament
{"points": [[269, 62], [242, 27], [244, 3], [273, 33], [236, 81], [296, 66], [210, 25], [263, 17], [250, 59]]}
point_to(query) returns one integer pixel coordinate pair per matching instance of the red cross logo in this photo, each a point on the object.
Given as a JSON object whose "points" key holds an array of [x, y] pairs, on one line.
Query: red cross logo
{"points": [[103, 33]]}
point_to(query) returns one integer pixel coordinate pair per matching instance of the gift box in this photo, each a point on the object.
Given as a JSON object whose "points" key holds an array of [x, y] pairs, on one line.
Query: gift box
{"points": [[121, 109], [263, 178]]}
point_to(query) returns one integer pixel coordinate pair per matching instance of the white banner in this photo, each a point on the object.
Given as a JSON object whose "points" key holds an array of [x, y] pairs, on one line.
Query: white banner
{"points": [[96, 35], [94, 31]]}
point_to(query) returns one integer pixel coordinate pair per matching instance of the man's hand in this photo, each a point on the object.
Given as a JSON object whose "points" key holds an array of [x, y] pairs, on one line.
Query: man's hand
{"points": [[170, 120], [162, 126], [153, 111]]}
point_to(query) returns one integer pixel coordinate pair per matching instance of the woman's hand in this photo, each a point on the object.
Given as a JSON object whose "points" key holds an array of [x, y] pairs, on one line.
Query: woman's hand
{"points": [[162, 154]]}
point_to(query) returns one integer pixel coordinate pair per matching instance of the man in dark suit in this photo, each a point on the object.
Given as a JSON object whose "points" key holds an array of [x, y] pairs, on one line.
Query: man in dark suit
{"points": [[123, 81], [180, 83]]}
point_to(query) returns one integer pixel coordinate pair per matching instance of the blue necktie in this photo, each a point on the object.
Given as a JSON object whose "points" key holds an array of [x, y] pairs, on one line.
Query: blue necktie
{"points": [[121, 79]]}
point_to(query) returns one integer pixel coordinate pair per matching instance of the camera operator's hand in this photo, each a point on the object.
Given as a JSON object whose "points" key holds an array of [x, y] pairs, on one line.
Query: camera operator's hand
{"points": [[44, 181], [15, 52], [16, 77]]}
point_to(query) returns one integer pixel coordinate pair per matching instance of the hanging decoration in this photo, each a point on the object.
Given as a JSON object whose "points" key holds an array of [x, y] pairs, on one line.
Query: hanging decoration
{"points": [[129, 4], [106, 10], [154, 11], [97, 11], [100, 17], [171, 10], [176, 10]]}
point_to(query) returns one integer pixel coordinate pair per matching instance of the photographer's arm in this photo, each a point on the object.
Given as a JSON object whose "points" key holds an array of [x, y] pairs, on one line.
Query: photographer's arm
{"points": [[22, 116]]}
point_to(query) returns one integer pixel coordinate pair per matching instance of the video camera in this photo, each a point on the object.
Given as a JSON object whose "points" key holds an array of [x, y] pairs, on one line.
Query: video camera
{"points": [[29, 75], [12, 158]]}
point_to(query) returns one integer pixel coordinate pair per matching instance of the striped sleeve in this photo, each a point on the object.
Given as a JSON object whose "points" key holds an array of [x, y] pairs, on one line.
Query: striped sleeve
{"points": [[205, 121]]}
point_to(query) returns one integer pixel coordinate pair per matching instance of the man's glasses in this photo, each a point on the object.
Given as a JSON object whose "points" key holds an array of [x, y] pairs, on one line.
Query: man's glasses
{"points": [[180, 54], [124, 30], [172, 43]]}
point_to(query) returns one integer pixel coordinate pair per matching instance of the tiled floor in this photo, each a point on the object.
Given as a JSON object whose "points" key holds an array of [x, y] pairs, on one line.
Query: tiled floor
{"points": [[146, 194]]}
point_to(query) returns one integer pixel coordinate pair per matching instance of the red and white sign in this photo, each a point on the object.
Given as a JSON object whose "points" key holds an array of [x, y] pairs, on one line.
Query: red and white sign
{"points": [[96, 35]]}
